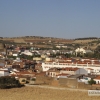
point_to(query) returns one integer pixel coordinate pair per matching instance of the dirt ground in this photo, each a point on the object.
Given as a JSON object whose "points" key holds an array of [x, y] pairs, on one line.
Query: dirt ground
{"points": [[37, 93]]}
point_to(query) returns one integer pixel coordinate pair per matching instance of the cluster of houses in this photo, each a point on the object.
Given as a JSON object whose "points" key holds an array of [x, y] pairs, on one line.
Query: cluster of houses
{"points": [[12, 50], [81, 69], [66, 68]]}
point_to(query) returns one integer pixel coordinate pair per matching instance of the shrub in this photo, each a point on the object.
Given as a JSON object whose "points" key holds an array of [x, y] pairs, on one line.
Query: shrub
{"points": [[92, 82], [23, 80], [9, 82], [33, 79]]}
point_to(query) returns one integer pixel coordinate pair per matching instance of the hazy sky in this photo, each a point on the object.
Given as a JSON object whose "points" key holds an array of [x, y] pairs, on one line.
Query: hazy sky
{"points": [[50, 18]]}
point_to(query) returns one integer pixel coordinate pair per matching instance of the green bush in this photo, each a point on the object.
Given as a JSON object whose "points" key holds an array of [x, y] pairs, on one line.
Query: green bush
{"points": [[9, 82], [23, 80], [92, 82], [33, 79]]}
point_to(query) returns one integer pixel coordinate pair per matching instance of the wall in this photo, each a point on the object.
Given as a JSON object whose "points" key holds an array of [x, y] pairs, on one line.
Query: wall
{"points": [[72, 83], [97, 81], [82, 85], [55, 83], [63, 81], [21, 80], [51, 65], [4, 73], [43, 80]]}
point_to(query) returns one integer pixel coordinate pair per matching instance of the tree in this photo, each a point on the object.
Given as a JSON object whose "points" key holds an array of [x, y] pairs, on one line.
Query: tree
{"points": [[9, 82], [92, 82]]}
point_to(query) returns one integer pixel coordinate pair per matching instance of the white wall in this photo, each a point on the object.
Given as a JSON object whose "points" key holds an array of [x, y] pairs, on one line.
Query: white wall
{"points": [[57, 65], [15, 55], [4, 73], [97, 81]]}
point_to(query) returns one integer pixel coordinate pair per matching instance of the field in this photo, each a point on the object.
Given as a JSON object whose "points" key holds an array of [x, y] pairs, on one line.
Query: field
{"points": [[37, 93]]}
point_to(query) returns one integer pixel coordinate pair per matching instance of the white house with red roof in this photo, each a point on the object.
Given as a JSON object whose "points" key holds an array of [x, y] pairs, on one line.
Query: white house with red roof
{"points": [[62, 75], [64, 72], [97, 79]]}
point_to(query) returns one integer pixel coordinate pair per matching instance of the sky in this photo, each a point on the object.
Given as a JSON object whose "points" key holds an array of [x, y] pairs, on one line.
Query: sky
{"points": [[67, 19]]}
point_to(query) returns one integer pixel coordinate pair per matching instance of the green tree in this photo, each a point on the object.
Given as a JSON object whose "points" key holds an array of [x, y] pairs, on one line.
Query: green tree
{"points": [[9, 82], [92, 82]]}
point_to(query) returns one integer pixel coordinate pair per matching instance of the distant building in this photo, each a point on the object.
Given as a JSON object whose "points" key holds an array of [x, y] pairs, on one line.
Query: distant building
{"points": [[4, 72]]}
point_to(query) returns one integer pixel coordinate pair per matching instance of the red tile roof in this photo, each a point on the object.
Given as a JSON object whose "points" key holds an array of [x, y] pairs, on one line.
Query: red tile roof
{"points": [[70, 69], [98, 77], [62, 74], [25, 73], [90, 68]]}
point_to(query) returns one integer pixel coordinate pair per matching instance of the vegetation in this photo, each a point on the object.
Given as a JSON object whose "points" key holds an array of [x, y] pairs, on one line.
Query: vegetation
{"points": [[28, 56], [86, 38], [23, 80], [33, 79], [9, 82], [92, 82], [14, 57]]}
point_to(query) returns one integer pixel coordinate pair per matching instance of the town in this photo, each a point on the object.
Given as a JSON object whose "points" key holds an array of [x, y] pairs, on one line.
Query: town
{"points": [[52, 61]]}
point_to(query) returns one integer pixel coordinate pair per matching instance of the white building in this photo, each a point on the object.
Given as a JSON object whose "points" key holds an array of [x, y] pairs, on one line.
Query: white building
{"points": [[4, 72], [97, 79], [73, 71], [80, 50], [89, 70], [27, 52], [89, 66]]}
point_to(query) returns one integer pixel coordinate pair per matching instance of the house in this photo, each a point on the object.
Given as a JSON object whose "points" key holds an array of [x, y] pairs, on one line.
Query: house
{"points": [[53, 72], [37, 58], [43, 56], [29, 66], [86, 78], [4, 72], [97, 79], [74, 71], [80, 50], [27, 52], [89, 70], [62, 76], [26, 73], [15, 53], [17, 65], [9, 52], [58, 46], [38, 67]]}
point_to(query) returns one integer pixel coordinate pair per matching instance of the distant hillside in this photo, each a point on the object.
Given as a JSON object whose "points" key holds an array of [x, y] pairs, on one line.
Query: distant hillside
{"points": [[90, 42], [86, 40], [27, 39]]}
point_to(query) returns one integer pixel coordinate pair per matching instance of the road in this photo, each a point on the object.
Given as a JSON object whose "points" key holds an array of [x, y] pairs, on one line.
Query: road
{"points": [[59, 88]]}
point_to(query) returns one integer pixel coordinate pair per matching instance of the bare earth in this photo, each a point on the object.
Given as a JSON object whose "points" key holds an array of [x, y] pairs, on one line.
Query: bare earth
{"points": [[37, 93]]}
